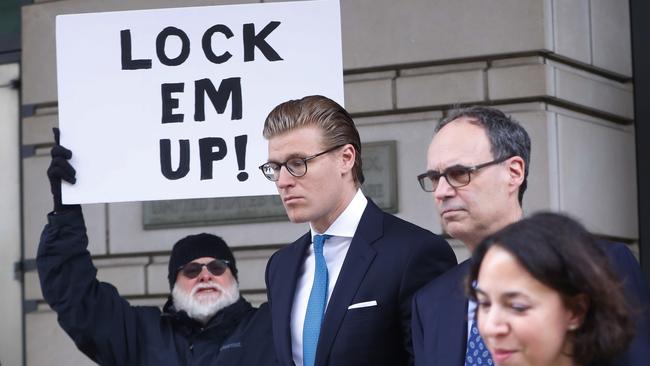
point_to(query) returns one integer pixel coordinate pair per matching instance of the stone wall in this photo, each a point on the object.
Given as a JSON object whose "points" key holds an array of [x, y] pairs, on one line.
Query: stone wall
{"points": [[10, 306], [561, 67]]}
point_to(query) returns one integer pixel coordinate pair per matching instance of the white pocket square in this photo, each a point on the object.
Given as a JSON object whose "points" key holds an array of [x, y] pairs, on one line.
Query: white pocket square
{"points": [[365, 304]]}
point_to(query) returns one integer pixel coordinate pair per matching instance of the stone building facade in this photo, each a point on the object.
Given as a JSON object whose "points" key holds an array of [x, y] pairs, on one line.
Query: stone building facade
{"points": [[561, 67]]}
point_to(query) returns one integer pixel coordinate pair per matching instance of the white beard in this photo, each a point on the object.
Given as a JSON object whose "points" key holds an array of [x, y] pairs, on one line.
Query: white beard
{"points": [[202, 307]]}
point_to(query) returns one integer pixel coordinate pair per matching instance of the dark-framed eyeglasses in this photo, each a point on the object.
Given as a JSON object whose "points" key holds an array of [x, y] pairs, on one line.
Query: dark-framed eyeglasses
{"points": [[457, 176], [217, 267], [295, 166]]}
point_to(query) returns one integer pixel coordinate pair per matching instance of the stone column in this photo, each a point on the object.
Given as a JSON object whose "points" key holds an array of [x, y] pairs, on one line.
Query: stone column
{"points": [[11, 305]]}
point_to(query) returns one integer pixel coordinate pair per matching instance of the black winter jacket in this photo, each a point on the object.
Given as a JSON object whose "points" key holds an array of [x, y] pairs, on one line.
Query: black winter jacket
{"points": [[111, 332]]}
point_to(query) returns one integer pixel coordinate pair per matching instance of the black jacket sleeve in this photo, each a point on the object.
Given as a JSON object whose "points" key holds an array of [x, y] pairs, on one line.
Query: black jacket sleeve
{"points": [[100, 322]]}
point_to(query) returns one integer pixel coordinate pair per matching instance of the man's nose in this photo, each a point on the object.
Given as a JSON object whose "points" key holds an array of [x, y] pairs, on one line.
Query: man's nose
{"points": [[205, 274], [285, 178], [444, 189]]}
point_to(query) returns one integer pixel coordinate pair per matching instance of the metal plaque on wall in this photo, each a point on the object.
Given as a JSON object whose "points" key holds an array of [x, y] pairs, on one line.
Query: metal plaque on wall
{"points": [[379, 168]]}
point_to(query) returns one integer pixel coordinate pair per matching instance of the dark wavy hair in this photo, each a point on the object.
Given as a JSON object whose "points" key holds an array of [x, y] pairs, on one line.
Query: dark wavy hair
{"points": [[317, 110], [507, 137], [560, 253]]}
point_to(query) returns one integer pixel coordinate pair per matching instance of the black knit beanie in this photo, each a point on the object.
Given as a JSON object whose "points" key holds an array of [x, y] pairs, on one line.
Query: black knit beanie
{"points": [[198, 246]]}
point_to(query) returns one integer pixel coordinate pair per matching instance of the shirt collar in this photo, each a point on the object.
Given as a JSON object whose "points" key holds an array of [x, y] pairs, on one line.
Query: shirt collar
{"points": [[346, 224]]}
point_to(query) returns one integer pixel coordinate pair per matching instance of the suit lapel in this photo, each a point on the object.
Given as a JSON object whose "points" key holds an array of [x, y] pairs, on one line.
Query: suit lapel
{"points": [[285, 288], [357, 261]]}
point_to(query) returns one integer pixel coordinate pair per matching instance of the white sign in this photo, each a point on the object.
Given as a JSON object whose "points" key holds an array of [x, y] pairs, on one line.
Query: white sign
{"points": [[170, 103]]}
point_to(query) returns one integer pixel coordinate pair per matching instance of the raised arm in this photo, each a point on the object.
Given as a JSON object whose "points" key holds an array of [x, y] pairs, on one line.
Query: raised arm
{"points": [[92, 313]]}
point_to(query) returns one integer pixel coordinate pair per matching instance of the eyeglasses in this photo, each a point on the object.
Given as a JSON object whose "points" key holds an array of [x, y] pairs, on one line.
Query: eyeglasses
{"points": [[217, 267], [295, 166], [457, 176]]}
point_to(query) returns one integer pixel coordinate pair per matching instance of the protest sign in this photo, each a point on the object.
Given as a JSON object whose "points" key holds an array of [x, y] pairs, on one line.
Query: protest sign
{"points": [[170, 103]]}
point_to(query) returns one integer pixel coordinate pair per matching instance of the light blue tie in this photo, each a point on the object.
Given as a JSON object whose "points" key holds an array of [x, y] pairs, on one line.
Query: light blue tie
{"points": [[316, 304], [477, 353]]}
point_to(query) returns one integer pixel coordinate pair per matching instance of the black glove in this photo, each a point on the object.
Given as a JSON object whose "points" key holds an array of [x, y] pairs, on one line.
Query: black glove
{"points": [[60, 169]]}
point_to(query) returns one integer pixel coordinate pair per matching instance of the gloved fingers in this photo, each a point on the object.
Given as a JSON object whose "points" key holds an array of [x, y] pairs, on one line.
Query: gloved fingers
{"points": [[57, 135], [59, 151], [61, 169]]}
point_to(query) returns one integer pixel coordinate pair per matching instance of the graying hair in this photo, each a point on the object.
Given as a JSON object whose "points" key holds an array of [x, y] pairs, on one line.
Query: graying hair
{"points": [[507, 137]]}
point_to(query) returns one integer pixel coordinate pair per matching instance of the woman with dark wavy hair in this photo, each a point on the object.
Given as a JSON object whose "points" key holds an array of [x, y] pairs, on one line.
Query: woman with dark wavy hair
{"points": [[546, 295]]}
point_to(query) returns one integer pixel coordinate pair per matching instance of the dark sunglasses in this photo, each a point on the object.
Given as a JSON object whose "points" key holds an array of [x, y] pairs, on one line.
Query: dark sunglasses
{"points": [[217, 267]]}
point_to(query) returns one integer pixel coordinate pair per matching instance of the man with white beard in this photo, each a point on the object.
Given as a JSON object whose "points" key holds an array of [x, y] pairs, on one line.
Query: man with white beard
{"points": [[204, 322], [202, 293]]}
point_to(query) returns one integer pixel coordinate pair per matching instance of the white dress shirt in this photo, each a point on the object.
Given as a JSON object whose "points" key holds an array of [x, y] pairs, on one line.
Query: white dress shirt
{"points": [[471, 314], [342, 230]]}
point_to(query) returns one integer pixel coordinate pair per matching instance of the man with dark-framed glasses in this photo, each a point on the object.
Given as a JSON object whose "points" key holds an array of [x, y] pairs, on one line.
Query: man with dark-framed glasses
{"points": [[477, 169], [341, 294], [204, 322], [295, 166], [456, 176]]}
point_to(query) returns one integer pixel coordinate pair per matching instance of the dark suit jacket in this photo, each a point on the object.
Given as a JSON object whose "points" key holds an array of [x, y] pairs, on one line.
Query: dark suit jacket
{"points": [[439, 323], [388, 260]]}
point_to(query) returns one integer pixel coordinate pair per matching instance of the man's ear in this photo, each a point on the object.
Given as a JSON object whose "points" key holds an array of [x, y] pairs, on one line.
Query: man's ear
{"points": [[348, 155], [516, 171]]}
